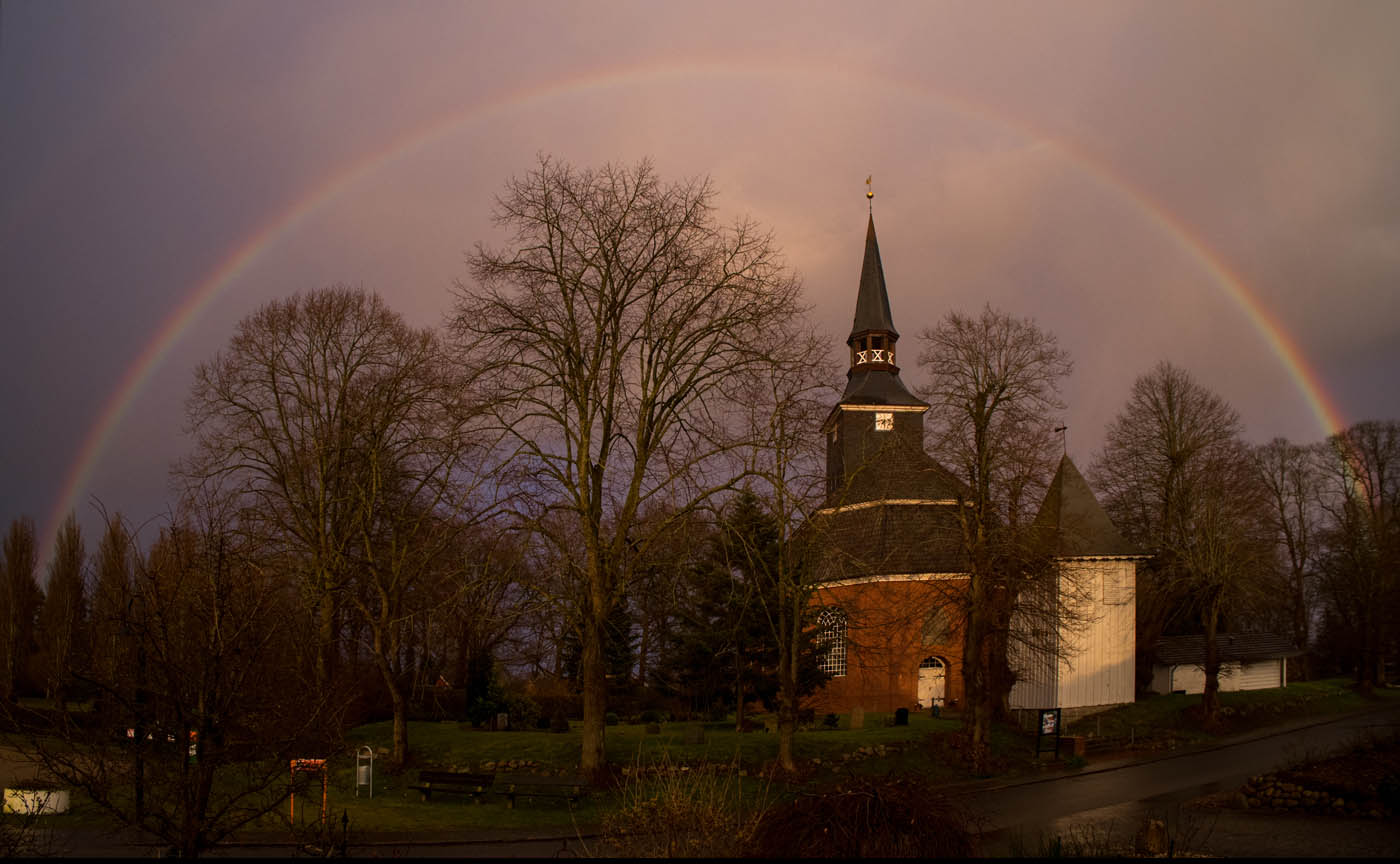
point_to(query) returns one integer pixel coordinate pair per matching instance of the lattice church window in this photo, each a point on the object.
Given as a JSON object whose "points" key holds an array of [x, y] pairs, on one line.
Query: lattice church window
{"points": [[831, 638]]}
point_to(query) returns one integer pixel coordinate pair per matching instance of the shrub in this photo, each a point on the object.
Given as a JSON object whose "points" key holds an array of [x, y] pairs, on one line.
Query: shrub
{"points": [[559, 723], [901, 716], [651, 715], [666, 810], [524, 711], [610, 718], [865, 818], [831, 721]]}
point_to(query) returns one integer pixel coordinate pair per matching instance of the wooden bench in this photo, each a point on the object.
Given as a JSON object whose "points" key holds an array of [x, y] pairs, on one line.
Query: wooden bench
{"points": [[509, 786], [453, 782]]}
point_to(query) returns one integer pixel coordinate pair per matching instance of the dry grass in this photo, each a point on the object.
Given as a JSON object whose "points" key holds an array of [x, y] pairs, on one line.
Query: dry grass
{"points": [[670, 810], [866, 818]]}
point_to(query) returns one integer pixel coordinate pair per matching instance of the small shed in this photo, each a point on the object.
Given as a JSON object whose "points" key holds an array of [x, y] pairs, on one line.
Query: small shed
{"points": [[1248, 661]]}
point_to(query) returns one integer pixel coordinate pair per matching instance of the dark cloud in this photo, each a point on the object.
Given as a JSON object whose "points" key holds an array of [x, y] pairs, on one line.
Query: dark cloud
{"points": [[1086, 164]]}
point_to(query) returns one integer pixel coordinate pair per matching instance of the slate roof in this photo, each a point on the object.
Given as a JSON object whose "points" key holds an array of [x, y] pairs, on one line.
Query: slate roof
{"points": [[1179, 650], [1073, 521], [886, 538], [874, 386], [872, 302]]}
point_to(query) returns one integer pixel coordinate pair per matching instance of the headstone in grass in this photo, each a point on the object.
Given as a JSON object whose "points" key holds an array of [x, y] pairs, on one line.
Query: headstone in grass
{"points": [[653, 728], [857, 717], [694, 734]]}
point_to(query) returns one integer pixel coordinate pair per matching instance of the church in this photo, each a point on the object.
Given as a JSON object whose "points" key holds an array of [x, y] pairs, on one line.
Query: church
{"points": [[889, 570]]}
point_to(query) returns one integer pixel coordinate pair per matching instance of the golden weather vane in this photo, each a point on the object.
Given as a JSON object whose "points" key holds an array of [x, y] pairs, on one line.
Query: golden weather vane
{"points": [[869, 193]]}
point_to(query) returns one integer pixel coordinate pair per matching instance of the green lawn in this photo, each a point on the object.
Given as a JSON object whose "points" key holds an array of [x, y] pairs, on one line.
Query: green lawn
{"points": [[1168, 718], [926, 747]]}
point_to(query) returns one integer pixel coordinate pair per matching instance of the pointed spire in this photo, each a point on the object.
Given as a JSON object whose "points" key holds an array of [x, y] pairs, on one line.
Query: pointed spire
{"points": [[872, 301], [873, 378], [1074, 521]]}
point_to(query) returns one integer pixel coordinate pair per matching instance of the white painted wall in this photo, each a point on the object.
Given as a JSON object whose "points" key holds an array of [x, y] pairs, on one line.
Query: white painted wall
{"points": [[1096, 642], [1234, 675]]}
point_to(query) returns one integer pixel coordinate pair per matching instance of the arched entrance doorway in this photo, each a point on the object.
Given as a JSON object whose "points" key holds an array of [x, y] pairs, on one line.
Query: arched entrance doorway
{"points": [[933, 679]]}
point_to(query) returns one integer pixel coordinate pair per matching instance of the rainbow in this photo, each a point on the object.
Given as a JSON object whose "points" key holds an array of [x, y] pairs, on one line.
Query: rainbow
{"points": [[318, 195]]}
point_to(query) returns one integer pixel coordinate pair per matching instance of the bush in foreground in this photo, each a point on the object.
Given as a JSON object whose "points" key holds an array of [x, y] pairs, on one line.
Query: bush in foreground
{"points": [[866, 818]]}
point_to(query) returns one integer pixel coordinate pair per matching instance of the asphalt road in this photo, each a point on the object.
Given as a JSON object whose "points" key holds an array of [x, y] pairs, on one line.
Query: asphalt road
{"points": [[1114, 798]]}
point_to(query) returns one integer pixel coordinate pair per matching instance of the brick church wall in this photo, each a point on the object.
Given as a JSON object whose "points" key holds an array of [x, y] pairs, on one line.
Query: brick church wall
{"points": [[886, 643]]}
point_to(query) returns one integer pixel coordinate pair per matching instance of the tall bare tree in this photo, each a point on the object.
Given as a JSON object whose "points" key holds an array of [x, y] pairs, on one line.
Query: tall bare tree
{"points": [[993, 387], [19, 591], [1292, 479], [202, 713], [1361, 503], [415, 481], [1178, 480], [615, 326], [279, 423], [110, 596], [786, 461], [63, 617]]}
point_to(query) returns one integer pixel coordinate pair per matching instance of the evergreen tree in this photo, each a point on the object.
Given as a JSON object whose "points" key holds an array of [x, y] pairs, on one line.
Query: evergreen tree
{"points": [[723, 652]]}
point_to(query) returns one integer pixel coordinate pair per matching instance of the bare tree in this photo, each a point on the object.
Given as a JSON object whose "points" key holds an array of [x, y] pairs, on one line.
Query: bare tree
{"points": [[785, 459], [63, 617], [1362, 541], [110, 596], [1292, 480], [202, 711], [1179, 481], [279, 423], [994, 390], [614, 328], [414, 481], [21, 595]]}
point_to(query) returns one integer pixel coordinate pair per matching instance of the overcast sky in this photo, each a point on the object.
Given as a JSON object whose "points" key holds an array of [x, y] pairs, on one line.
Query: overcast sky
{"points": [[1214, 184]]}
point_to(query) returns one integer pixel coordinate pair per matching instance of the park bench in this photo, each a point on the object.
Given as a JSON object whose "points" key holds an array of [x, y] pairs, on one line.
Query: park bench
{"points": [[510, 786], [453, 782]]}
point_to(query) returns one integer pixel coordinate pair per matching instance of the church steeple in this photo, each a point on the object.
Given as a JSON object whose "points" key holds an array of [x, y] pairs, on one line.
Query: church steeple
{"points": [[872, 301], [873, 378]]}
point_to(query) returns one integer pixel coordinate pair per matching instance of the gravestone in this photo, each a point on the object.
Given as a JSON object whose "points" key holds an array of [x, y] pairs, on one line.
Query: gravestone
{"points": [[857, 717]]}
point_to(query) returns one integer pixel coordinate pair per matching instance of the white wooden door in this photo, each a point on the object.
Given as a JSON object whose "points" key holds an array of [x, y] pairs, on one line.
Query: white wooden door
{"points": [[932, 680]]}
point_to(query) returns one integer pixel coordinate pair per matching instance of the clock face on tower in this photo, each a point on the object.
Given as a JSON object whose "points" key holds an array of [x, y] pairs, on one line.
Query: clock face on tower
{"points": [[884, 421]]}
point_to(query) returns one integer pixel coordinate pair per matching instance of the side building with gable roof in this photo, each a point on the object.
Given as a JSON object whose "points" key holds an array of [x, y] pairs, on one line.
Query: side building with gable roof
{"points": [[1083, 633]]}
